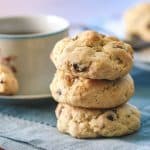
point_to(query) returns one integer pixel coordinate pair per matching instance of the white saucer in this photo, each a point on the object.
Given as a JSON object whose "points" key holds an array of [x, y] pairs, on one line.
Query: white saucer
{"points": [[25, 97]]}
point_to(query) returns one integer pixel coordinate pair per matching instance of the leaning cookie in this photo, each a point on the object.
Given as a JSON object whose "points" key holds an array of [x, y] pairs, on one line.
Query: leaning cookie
{"points": [[8, 82], [137, 22], [93, 55], [89, 93], [90, 123], [144, 28]]}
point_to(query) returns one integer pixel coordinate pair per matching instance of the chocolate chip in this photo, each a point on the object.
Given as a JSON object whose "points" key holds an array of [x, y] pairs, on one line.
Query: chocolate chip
{"points": [[114, 110], [134, 37], [59, 92], [148, 26], [2, 82], [79, 67], [103, 126], [110, 117]]}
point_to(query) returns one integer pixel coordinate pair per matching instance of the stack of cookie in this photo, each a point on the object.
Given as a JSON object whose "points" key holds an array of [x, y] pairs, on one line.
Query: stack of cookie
{"points": [[92, 85]]}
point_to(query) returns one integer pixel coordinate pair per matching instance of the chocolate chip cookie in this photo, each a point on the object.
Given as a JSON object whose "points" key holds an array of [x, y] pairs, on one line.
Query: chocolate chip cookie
{"points": [[137, 22], [89, 123], [89, 93], [93, 55]]}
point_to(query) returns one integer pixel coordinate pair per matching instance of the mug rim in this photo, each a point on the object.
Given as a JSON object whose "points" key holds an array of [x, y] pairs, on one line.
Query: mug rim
{"points": [[35, 35]]}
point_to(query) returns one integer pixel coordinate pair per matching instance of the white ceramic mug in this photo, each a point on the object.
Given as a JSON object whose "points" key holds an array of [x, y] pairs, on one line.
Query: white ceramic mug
{"points": [[25, 45]]}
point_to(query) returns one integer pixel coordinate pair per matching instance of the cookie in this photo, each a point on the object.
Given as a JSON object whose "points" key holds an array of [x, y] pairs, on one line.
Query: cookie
{"points": [[8, 82], [93, 55], [144, 28], [89, 93], [90, 123], [137, 22]]}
